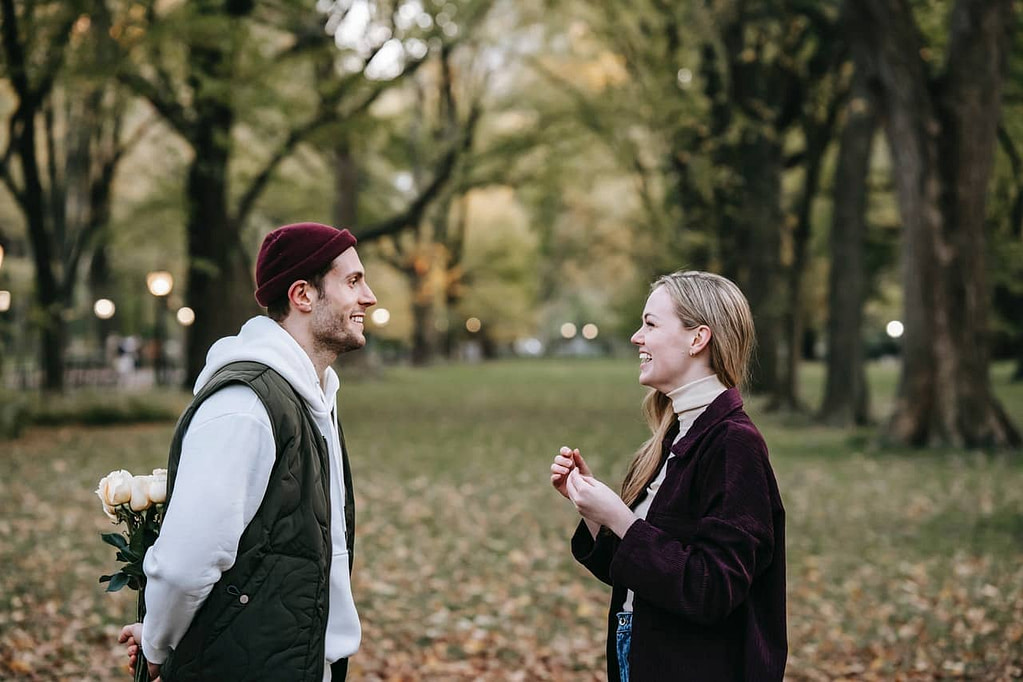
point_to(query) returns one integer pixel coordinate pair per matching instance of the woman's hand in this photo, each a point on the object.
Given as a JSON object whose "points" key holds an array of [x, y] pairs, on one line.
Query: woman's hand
{"points": [[565, 462], [598, 503]]}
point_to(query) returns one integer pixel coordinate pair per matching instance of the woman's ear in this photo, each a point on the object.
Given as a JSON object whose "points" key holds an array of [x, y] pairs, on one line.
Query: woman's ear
{"points": [[701, 337], [300, 295]]}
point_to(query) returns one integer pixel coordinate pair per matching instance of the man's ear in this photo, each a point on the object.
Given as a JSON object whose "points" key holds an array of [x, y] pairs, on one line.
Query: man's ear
{"points": [[301, 295]]}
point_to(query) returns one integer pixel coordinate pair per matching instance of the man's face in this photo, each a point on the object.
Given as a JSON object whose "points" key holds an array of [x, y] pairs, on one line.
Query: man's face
{"points": [[339, 316]]}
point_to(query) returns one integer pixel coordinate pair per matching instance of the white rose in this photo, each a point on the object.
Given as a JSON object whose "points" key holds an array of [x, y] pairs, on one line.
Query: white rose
{"points": [[158, 486], [110, 512], [115, 488], [140, 493]]}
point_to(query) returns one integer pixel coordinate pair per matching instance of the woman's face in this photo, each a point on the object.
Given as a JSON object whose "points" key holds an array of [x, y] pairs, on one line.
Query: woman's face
{"points": [[664, 344]]}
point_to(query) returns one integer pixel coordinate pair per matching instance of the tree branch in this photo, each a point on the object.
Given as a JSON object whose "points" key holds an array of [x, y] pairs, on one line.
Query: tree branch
{"points": [[5, 175], [418, 207], [172, 111], [259, 182], [1016, 163], [326, 115]]}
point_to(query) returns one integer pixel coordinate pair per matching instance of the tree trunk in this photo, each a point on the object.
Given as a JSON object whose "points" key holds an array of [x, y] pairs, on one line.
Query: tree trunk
{"points": [[423, 332], [32, 199], [942, 138], [818, 136], [100, 286], [48, 298], [220, 286], [751, 247], [846, 396], [346, 188]]}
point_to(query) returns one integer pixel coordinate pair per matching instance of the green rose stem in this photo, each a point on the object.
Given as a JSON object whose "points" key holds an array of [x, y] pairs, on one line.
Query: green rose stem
{"points": [[146, 532], [141, 666], [143, 529]]}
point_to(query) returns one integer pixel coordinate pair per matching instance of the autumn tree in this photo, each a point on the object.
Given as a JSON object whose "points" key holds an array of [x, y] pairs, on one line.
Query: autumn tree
{"points": [[712, 97], [67, 138], [457, 133], [222, 70], [942, 124], [1006, 214], [846, 392]]}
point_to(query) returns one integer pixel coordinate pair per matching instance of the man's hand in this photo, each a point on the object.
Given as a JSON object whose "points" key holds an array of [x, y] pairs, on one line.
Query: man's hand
{"points": [[132, 636], [598, 503]]}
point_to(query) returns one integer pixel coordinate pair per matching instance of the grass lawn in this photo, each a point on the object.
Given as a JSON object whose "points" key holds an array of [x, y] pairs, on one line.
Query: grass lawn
{"points": [[902, 565]]}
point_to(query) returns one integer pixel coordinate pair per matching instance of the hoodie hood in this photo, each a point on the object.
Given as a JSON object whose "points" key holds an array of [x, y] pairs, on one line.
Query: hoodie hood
{"points": [[263, 340]]}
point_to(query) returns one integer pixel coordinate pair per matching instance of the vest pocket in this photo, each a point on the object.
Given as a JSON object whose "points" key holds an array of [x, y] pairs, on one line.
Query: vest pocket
{"points": [[238, 597], [276, 634]]}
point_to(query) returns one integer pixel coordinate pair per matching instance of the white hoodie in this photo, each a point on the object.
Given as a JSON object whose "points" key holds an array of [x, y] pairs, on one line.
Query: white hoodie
{"points": [[226, 460]]}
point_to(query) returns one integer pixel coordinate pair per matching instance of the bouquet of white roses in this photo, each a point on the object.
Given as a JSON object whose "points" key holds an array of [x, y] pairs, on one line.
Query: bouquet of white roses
{"points": [[138, 503]]}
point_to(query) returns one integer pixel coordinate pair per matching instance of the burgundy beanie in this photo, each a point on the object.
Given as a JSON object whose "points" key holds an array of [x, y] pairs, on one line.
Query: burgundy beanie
{"points": [[295, 252]]}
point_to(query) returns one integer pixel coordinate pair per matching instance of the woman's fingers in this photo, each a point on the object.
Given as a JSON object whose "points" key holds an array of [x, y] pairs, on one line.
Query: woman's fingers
{"points": [[580, 463], [562, 465], [571, 485]]}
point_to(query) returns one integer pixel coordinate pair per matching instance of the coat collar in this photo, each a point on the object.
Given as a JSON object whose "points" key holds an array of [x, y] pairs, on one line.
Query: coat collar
{"points": [[724, 405]]}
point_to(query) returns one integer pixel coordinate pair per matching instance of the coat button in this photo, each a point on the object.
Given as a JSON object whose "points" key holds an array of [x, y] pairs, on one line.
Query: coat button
{"points": [[244, 599]]}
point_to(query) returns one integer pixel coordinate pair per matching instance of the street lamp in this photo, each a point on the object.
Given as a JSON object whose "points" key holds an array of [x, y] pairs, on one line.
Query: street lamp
{"points": [[104, 308], [5, 305], [160, 283], [186, 316]]}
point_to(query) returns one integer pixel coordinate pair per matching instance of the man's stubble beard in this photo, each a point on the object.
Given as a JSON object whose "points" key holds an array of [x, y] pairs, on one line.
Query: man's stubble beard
{"points": [[336, 338]]}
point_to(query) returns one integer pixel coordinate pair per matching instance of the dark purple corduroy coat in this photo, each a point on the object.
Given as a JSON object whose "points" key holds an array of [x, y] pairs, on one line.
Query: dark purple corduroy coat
{"points": [[707, 565]]}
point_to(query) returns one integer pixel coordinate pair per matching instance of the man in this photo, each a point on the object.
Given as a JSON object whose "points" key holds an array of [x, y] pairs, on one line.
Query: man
{"points": [[250, 577]]}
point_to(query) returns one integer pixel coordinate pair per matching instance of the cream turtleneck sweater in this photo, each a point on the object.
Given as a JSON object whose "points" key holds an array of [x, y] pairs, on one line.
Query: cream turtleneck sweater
{"points": [[689, 402]]}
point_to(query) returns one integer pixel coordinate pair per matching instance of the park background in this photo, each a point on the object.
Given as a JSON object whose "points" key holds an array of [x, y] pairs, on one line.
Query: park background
{"points": [[517, 172]]}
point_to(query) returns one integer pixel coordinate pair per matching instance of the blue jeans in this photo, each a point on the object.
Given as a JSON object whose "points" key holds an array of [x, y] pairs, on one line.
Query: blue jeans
{"points": [[624, 642]]}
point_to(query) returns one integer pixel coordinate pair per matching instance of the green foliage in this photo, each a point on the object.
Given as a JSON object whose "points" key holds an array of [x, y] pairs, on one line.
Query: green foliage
{"points": [[91, 408], [14, 414], [143, 530]]}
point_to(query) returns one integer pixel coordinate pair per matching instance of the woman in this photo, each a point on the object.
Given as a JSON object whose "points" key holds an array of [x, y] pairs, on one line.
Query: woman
{"points": [[694, 549]]}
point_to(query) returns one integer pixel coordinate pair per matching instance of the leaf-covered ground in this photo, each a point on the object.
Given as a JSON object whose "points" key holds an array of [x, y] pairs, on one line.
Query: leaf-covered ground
{"points": [[902, 566]]}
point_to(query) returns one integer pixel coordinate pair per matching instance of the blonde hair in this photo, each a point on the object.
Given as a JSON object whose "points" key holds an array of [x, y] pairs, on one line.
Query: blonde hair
{"points": [[699, 298]]}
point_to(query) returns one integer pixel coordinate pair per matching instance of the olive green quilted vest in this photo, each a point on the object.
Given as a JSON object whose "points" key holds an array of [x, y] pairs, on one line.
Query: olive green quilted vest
{"points": [[266, 617]]}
